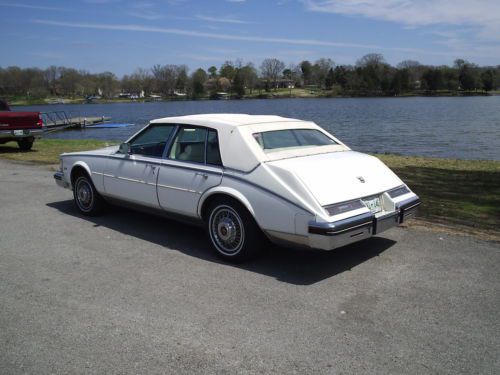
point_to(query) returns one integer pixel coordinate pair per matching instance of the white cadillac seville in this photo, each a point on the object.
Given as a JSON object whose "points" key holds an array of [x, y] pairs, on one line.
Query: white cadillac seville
{"points": [[246, 178]]}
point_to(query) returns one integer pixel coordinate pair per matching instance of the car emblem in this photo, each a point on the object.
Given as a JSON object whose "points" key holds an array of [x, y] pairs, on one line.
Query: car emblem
{"points": [[361, 179]]}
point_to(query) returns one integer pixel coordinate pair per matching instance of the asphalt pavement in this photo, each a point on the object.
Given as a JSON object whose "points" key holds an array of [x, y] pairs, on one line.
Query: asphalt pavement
{"points": [[130, 293]]}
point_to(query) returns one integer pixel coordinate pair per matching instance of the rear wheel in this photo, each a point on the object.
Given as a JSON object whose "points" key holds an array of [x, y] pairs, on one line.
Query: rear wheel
{"points": [[25, 144], [232, 230], [87, 199]]}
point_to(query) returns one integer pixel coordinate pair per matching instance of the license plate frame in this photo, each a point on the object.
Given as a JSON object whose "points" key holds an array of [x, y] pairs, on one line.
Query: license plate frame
{"points": [[19, 133], [374, 204]]}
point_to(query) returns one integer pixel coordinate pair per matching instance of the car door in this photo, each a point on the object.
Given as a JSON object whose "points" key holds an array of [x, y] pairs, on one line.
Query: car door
{"points": [[192, 166], [132, 177]]}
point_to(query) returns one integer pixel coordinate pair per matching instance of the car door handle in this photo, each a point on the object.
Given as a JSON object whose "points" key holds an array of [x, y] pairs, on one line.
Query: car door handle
{"points": [[153, 168], [204, 175]]}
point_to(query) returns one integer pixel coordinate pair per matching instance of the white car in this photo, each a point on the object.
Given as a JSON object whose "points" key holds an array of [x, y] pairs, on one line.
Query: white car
{"points": [[246, 178]]}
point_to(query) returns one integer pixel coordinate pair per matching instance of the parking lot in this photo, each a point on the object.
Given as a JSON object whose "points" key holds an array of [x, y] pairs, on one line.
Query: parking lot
{"points": [[133, 293]]}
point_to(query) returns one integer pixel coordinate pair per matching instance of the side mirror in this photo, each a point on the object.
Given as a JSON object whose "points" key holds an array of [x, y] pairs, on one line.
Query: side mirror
{"points": [[124, 149]]}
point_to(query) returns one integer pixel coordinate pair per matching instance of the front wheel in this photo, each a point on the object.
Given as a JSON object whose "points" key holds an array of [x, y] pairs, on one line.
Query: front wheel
{"points": [[87, 199], [233, 232]]}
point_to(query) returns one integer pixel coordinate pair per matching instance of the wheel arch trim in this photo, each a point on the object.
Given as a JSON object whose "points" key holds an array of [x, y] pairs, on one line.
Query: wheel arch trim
{"points": [[220, 190], [78, 165]]}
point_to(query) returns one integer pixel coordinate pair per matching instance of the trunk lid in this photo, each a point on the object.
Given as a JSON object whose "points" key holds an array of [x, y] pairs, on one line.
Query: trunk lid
{"points": [[340, 176]]}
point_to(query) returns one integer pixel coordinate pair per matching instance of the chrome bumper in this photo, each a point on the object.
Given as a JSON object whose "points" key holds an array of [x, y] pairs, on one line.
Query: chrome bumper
{"points": [[329, 236], [26, 133], [59, 177]]}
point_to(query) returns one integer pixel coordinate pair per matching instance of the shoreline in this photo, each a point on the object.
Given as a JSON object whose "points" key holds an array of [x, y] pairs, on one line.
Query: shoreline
{"points": [[459, 195], [265, 96]]}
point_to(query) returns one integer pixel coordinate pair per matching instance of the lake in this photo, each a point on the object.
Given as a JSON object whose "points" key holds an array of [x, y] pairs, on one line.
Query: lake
{"points": [[458, 127]]}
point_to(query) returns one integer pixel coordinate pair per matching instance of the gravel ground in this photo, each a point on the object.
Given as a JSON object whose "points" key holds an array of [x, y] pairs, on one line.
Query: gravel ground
{"points": [[133, 293]]}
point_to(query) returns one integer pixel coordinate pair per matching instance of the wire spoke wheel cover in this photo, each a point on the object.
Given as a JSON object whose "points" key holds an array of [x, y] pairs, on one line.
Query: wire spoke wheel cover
{"points": [[84, 194], [226, 229]]}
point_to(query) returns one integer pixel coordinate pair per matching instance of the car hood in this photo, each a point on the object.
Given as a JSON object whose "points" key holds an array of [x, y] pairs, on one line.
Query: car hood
{"points": [[339, 176], [101, 151]]}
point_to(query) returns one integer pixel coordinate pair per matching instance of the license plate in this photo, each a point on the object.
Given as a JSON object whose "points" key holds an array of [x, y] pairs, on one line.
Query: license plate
{"points": [[373, 204], [18, 132]]}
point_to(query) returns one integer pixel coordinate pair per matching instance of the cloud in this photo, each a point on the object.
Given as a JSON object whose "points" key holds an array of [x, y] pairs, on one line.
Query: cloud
{"points": [[221, 19], [146, 15], [29, 6], [230, 37], [485, 14]]}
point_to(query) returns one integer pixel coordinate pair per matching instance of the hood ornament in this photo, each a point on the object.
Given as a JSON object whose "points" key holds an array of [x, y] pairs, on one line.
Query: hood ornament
{"points": [[361, 179]]}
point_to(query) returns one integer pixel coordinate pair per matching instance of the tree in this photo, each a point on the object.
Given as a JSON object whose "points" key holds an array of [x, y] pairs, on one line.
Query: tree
{"points": [[271, 69], [239, 83], [198, 79], [371, 59], [320, 71], [165, 78], [487, 80], [433, 79], [306, 69], [330, 79], [212, 71], [227, 70], [249, 75]]}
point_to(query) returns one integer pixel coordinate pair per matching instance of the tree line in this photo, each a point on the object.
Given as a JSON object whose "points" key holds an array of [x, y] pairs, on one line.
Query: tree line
{"points": [[370, 76]]}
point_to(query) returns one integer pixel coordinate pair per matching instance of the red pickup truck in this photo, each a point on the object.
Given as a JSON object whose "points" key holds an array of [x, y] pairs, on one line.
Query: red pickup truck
{"points": [[20, 127]]}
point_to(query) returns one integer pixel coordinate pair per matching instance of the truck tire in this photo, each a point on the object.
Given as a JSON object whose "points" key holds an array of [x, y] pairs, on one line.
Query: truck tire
{"points": [[25, 144]]}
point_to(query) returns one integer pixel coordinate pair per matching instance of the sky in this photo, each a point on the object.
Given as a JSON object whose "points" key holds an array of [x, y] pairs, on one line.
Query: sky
{"points": [[122, 35]]}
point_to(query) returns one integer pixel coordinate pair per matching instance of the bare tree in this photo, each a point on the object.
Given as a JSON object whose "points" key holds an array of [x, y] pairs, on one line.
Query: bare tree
{"points": [[271, 69]]}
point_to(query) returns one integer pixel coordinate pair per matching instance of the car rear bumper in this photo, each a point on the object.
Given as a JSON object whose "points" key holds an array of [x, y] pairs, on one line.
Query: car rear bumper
{"points": [[328, 236], [26, 133]]}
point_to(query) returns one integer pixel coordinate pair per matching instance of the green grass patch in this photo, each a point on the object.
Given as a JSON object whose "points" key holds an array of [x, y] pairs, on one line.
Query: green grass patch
{"points": [[47, 151], [454, 192]]}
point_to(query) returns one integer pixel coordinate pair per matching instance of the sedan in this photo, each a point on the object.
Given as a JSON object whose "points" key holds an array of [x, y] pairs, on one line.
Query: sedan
{"points": [[247, 179]]}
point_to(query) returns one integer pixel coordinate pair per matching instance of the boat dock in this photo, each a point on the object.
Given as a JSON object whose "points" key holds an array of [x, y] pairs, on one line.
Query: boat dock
{"points": [[60, 120]]}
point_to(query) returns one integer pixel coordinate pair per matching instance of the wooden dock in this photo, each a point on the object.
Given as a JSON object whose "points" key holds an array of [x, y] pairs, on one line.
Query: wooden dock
{"points": [[60, 120]]}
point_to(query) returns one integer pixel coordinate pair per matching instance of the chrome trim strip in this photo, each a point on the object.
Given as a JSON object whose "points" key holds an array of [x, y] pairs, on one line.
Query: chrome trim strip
{"points": [[177, 188], [341, 226]]}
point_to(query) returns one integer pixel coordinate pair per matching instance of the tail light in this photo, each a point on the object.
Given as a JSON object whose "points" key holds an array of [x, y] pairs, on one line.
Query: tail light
{"points": [[40, 121]]}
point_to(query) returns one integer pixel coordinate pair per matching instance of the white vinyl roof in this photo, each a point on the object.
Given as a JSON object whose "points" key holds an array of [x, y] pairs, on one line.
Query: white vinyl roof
{"points": [[217, 120], [238, 148]]}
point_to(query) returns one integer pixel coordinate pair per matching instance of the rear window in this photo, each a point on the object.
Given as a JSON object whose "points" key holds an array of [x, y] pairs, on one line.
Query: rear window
{"points": [[292, 138]]}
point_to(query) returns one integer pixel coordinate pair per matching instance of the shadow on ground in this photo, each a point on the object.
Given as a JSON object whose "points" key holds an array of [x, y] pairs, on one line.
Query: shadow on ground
{"points": [[294, 266], [12, 148]]}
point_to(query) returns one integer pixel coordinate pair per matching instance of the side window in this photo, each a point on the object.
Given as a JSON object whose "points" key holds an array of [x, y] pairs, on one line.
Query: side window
{"points": [[189, 145], [213, 152], [152, 141]]}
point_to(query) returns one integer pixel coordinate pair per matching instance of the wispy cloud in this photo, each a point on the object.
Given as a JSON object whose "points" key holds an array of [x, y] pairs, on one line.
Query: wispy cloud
{"points": [[241, 38], [485, 14], [221, 19], [30, 6], [146, 15], [236, 1]]}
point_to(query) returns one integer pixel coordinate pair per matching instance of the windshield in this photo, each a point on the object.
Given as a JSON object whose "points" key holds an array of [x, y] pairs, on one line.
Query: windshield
{"points": [[276, 140]]}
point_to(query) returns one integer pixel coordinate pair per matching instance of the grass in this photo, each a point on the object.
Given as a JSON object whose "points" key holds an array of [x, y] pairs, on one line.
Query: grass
{"points": [[47, 151], [459, 193]]}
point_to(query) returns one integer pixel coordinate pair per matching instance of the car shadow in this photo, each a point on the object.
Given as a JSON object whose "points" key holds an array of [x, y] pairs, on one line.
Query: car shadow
{"points": [[289, 265]]}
